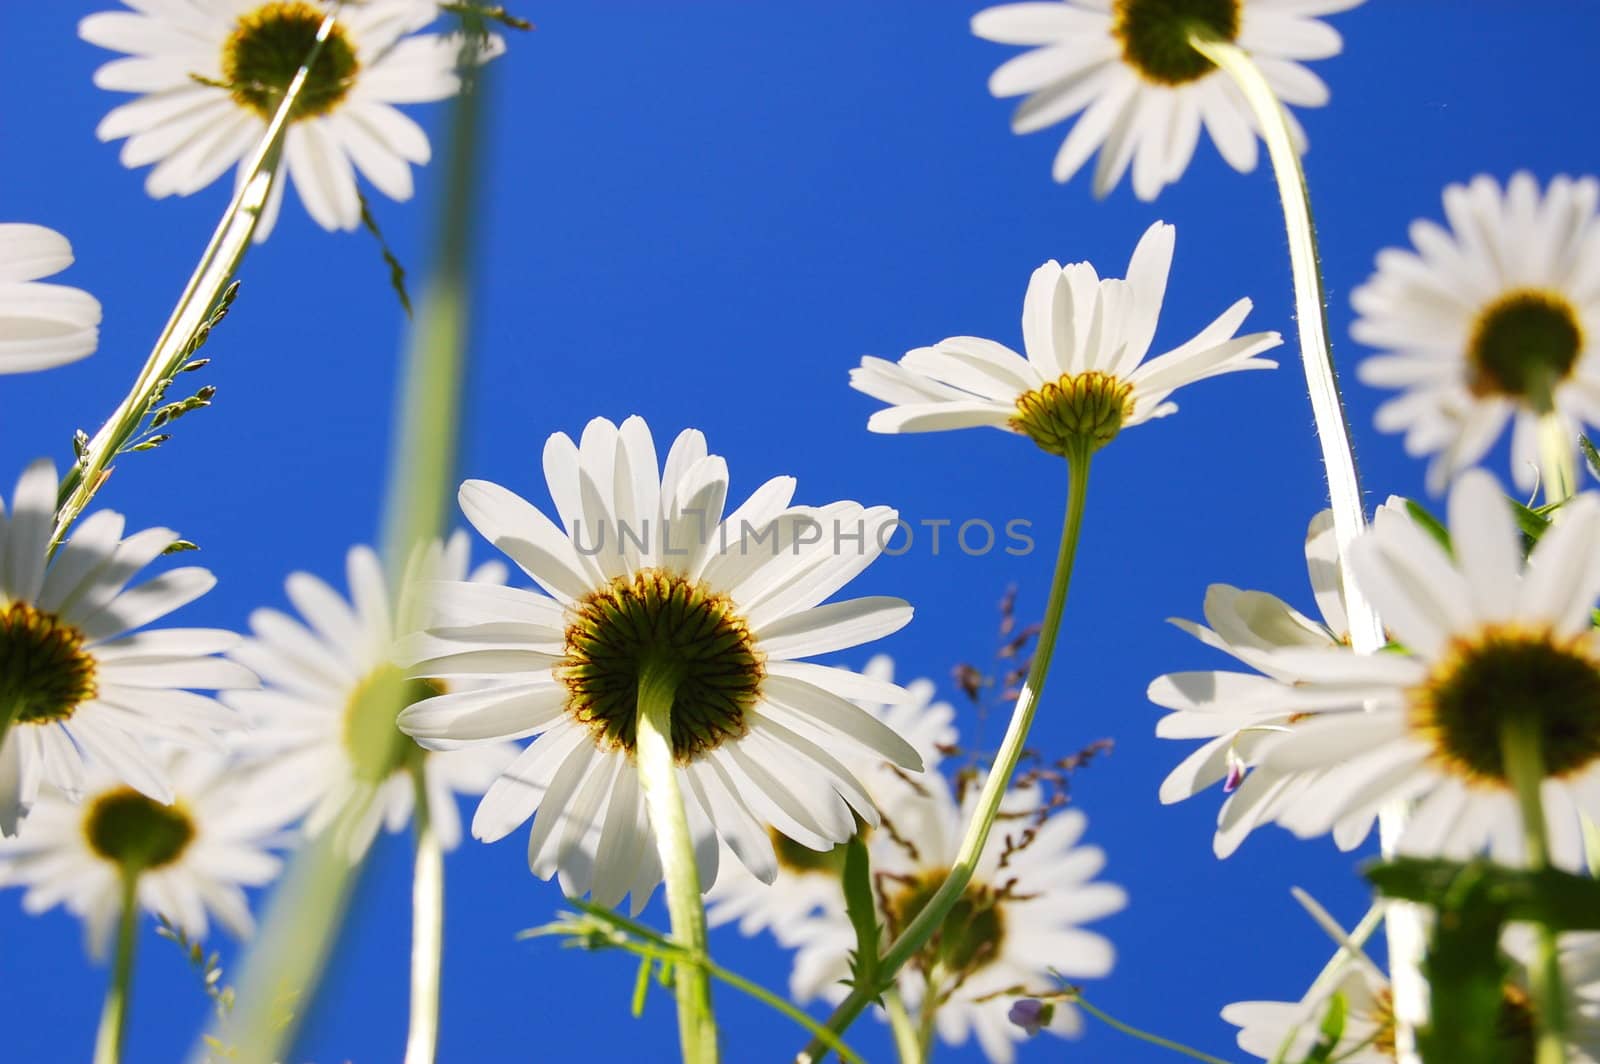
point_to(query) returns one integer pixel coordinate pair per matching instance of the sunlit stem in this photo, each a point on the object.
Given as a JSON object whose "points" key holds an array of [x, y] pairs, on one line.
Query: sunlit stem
{"points": [[1404, 923], [427, 928], [931, 916], [1145, 1036], [217, 265], [907, 1042], [10, 708], [658, 776], [1524, 765], [1557, 466], [927, 1026], [114, 1015]]}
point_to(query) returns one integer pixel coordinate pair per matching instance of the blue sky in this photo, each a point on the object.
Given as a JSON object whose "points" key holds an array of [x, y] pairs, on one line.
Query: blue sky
{"points": [[706, 213]]}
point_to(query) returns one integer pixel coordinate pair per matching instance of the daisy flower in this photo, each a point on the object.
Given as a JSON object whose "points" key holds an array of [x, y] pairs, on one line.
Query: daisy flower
{"points": [[192, 857], [646, 566], [1014, 931], [1490, 644], [41, 325], [323, 726], [1369, 1026], [1085, 376], [75, 684], [808, 880], [209, 77], [1143, 90], [1493, 320], [1237, 712]]}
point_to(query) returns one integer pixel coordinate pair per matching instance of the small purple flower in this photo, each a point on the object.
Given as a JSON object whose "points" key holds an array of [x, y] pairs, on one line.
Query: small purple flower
{"points": [[1031, 1014]]}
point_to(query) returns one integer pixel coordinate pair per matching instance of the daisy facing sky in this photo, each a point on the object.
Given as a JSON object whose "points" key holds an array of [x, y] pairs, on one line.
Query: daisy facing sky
{"points": [[81, 688], [322, 728], [41, 325], [1085, 373], [1490, 321], [1140, 91], [646, 566], [209, 76]]}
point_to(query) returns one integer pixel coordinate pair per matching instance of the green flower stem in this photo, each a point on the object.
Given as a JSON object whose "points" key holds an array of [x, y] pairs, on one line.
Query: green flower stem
{"points": [[1145, 1036], [932, 915], [658, 775], [907, 1042], [218, 263], [927, 1027], [114, 1016], [1557, 468], [1403, 925], [10, 709], [427, 929], [1524, 763]]}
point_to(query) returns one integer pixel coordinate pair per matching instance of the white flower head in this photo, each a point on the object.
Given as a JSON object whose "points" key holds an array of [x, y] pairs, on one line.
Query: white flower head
{"points": [[210, 75], [1493, 320], [1012, 934], [41, 325], [1485, 643], [323, 730], [193, 857], [1085, 376], [1143, 90], [644, 565], [807, 880], [82, 688]]}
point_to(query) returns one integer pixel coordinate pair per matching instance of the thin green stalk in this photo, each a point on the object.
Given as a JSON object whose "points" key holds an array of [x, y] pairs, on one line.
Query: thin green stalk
{"points": [[114, 1015], [10, 709], [907, 1041], [427, 929], [658, 775], [927, 1030], [932, 915], [1524, 764], [1146, 1036], [1557, 466], [1403, 926], [218, 263]]}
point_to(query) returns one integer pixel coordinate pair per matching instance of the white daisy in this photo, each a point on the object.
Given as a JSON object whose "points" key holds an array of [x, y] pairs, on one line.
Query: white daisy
{"points": [[192, 857], [808, 880], [649, 565], [1489, 644], [41, 325], [1143, 91], [1014, 931], [77, 687], [1084, 378], [1265, 1027], [210, 75], [1237, 712], [323, 727], [1488, 322]]}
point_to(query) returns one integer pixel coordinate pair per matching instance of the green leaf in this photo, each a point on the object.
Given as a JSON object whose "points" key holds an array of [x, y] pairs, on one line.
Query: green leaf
{"points": [[1590, 455], [1532, 523], [1466, 972], [863, 912], [1429, 523], [1559, 900], [1330, 1033]]}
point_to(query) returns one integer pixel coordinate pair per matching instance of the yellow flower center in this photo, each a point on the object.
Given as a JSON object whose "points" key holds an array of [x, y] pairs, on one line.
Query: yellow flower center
{"points": [[376, 747], [972, 932], [44, 670], [659, 616], [1154, 35], [264, 52], [1079, 412], [1523, 345], [135, 832], [1509, 674]]}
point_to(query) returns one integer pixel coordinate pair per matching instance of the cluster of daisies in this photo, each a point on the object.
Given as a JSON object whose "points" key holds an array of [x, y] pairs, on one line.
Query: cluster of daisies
{"points": [[167, 767]]}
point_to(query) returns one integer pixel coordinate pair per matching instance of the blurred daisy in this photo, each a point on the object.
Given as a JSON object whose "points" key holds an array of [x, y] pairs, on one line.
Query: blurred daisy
{"points": [[1143, 91], [1265, 1027], [323, 728], [1490, 644], [649, 565], [808, 880], [1493, 321], [1014, 931], [209, 77], [1084, 378], [193, 857], [41, 325], [1237, 712], [78, 687]]}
